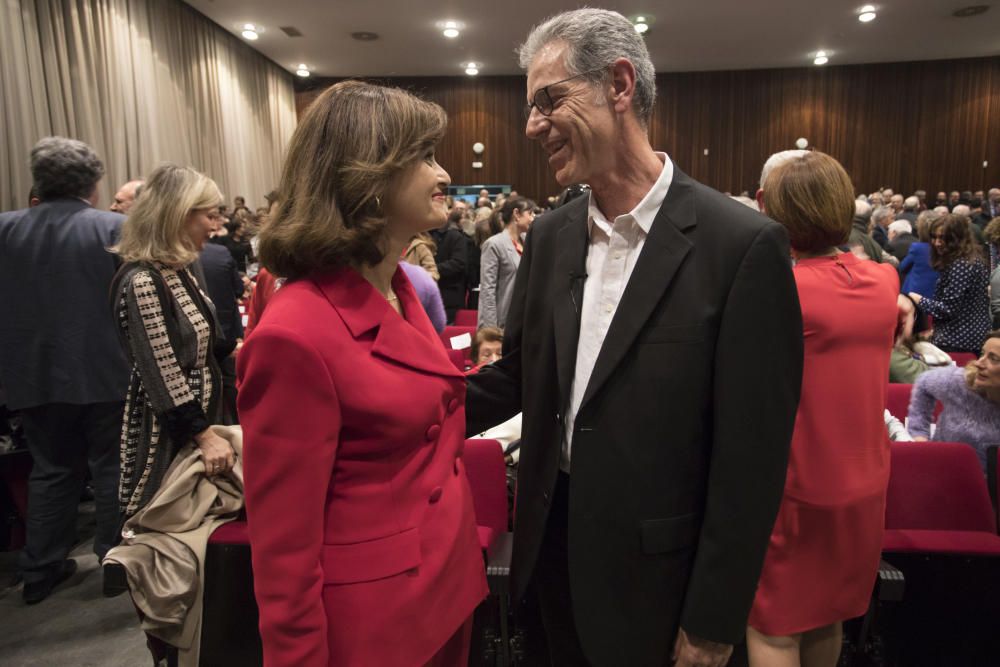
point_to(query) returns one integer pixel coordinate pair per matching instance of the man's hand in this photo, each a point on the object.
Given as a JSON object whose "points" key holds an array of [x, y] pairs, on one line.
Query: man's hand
{"points": [[694, 652]]}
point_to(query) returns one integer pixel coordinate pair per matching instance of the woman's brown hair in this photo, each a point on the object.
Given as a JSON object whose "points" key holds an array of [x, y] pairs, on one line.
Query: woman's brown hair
{"points": [[812, 196], [958, 241], [351, 145]]}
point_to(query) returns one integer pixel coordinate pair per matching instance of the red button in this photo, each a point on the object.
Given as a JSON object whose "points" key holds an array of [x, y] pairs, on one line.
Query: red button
{"points": [[452, 405], [435, 495], [433, 432]]}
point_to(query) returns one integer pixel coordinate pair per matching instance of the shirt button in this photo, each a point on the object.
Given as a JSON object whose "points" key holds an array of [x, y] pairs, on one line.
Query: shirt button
{"points": [[435, 495], [608, 309], [452, 405], [618, 255], [433, 432]]}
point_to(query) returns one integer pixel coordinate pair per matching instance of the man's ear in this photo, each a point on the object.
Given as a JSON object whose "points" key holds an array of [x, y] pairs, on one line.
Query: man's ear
{"points": [[622, 84], [760, 200]]}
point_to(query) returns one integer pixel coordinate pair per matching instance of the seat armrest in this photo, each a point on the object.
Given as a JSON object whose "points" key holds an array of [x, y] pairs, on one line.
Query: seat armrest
{"points": [[498, 565], [890, 584]]}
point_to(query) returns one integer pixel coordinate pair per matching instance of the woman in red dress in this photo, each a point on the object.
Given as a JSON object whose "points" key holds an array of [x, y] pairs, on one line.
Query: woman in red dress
{"points": [[824, 552], [361, 522]]}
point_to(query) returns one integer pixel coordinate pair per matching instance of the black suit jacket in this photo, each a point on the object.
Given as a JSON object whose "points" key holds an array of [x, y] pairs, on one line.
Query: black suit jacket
{"points": [[681, 443], [58, 339], [224, 287], [900, 246], [452, 259]]}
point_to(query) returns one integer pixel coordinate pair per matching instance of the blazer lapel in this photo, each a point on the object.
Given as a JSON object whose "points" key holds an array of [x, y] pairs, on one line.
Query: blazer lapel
{"points": [[662, 254], [570, 273], [363, 309]]}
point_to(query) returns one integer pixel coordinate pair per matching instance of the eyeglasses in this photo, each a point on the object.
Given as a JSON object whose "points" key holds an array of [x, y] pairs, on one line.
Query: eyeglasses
{"points": [[542, 99]]}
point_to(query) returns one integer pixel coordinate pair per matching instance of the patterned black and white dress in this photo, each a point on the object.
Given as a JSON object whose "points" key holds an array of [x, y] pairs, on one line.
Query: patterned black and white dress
{"points": [[168, 325]]}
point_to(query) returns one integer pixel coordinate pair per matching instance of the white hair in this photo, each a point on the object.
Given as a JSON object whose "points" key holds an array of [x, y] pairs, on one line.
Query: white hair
{"points": [[778, 159], [900, 227], [595, 38], [862, 209], [911, 203], [943, 210], [881, 213], [961, 209]]}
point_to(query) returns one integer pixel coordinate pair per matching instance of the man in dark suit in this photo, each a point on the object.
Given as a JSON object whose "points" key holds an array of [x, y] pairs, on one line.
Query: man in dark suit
{"points": [[452, 259], [60, 358], [224, 286], [901, 237], [654, 343]]}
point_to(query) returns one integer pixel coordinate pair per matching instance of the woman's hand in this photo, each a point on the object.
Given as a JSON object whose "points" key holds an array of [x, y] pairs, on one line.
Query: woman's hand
{"points": [[215, 451], [916, 297], [920, 438]]}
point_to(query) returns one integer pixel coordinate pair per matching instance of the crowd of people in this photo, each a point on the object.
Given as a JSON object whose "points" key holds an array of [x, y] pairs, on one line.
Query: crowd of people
{"points": [[640, 309]]}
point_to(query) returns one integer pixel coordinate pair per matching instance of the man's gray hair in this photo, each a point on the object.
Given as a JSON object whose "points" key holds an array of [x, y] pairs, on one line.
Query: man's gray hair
{"points": [[595, 38], [961, 209], [900, 227], [776, 160], [881, 213], [862, 211], [911, 203], [62, 167]]}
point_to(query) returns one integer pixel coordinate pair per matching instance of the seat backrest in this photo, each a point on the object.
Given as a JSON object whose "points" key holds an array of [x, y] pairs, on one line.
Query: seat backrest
{"points": [[452, 331], [937, 486], [466, 318], [897, 400], [962, 358], [487, 473], [458, 358]]}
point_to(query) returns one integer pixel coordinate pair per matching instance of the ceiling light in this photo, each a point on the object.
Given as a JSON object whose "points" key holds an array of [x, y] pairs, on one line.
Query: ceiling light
{"points": [[250, 34], [642, 23], [450, 33], [821, 58], [250, 31], [867, 14], [303, 70], [472, 69], [641, 28]]}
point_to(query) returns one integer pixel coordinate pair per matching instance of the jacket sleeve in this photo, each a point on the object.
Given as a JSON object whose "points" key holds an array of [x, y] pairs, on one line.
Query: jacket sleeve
{"points": [[426, 259], [759, 345], [950, 293], [489, 270], [291, 419], [155, 360], [494, 393]]}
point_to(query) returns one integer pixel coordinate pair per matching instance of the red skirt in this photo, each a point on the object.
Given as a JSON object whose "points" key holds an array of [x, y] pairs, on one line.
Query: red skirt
{"points": [[820, 566]]}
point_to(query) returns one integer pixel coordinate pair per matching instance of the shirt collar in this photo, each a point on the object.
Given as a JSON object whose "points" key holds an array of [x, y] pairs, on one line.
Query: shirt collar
{"points": [[645, 211]]}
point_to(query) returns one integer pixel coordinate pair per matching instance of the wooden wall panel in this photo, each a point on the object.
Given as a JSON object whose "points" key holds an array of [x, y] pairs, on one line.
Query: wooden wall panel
{"points": [[915, 125]]}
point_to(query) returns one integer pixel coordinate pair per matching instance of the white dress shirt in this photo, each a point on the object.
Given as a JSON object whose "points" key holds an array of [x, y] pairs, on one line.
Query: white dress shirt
{"points": [[612, 253]]}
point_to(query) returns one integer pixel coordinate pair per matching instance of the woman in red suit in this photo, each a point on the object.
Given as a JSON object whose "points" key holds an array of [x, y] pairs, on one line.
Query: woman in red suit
{"points": [[360, 516], [824, 552]]}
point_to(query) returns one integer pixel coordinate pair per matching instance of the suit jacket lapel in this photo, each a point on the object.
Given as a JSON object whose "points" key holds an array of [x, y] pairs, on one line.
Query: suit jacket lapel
{"points": [[362, 308], [662, 254], [570, 273]]}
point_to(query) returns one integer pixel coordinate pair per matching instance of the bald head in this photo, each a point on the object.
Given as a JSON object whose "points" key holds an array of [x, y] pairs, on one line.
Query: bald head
{"points": [[125, 197]]}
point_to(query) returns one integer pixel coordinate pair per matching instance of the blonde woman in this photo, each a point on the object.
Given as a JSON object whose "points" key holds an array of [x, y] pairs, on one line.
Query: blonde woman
{"points": [[168, 326]]}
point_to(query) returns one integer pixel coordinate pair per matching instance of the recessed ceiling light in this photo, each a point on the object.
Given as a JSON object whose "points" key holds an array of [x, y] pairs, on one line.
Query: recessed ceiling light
{"points": [[302, 72], [249, 26], [450, 33], [250, 34], [642, 23], [251, 31], [866, 14], [821, 58], [642, 28], [472, 69]]}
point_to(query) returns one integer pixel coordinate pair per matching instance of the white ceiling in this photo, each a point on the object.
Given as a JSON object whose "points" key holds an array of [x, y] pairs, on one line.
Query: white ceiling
{"points": [[688, 35]]}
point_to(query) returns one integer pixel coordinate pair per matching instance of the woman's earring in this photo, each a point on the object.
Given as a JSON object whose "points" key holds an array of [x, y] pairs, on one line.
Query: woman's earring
{"points": [[378, 202]]}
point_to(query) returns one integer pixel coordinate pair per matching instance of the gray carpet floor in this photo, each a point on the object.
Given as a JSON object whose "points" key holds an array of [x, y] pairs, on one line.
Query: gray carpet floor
{"points": [[74, 627]]}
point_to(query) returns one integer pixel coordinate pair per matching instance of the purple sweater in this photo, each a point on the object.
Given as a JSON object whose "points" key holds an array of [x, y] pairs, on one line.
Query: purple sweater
{"points": [[966, 417], [428, 293]]}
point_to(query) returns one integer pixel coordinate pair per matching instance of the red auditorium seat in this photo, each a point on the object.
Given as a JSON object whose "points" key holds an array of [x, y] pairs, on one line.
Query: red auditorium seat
{"points": [[897, 401], [487, 474], [466, 318], [937, 501], [453, 331], [460, 358], [962, 358]]}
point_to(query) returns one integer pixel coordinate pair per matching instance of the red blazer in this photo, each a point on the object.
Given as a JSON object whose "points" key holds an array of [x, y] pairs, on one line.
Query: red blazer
{"points": [[360, 515]]}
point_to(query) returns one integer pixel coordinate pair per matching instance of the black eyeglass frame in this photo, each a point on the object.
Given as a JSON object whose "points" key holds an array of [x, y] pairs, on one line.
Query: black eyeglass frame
{"points": [[536, 103]]}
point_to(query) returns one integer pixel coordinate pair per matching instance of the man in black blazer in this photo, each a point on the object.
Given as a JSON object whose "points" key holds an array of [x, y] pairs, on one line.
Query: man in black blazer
{"points": [[224, 286], [452, 259], [60, 358], [654, 344]]}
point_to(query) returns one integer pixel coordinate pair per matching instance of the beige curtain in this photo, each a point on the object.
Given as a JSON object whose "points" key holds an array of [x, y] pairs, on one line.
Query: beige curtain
{"points": [[143, 82]]}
